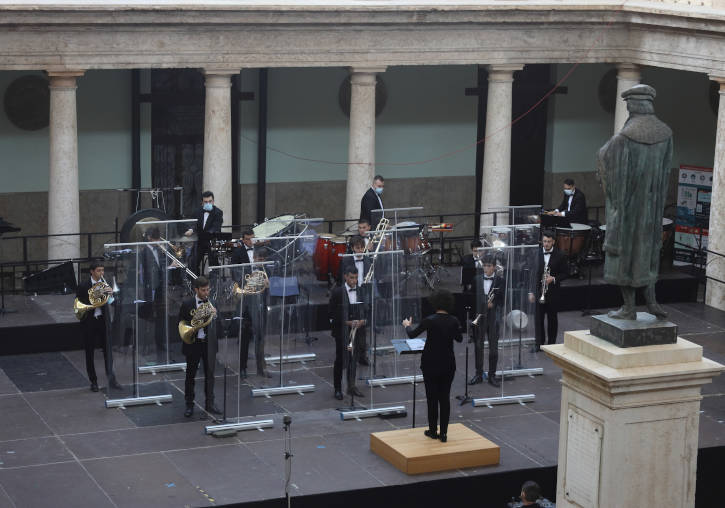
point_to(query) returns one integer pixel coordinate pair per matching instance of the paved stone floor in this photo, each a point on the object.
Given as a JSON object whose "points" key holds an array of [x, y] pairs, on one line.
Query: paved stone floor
{"points": [[59, 445]]}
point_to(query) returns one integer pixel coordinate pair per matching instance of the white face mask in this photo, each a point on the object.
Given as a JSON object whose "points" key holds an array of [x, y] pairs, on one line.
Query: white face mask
{"points": [[568, 192]]}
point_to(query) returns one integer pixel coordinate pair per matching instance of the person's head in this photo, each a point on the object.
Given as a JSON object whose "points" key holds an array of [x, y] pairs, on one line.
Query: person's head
{"points": [[96, 269], [475, 244], [547, 239], [201, 287], [442, 300], [357, 244], [153, 234], [207, 201], [378, 184], [350, 276], [489, 265], [363, 226], [530, 492], [569, 187], [248, 238], [640, 99]]}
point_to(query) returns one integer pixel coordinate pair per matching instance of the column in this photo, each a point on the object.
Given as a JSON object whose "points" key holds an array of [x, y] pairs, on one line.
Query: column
{"points": [[715, 292], [497, 146], [63, 196], [217, 176], [361, 148], [628, 75]]}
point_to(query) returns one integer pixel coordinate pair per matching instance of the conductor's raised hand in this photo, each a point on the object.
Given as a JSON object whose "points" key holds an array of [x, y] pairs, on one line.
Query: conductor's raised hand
{"points": [[408, 322]]}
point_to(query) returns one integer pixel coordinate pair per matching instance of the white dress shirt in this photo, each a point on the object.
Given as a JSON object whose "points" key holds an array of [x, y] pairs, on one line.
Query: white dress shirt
{"points": [[360, 265], [203, 222], [97, 312], [487, 283], [351, 294], [201, 334], [547, 257]]}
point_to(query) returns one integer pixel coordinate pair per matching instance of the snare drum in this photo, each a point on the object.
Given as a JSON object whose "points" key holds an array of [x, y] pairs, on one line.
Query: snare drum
{"points": [[572, 240], [338, 246], [321, 257]]}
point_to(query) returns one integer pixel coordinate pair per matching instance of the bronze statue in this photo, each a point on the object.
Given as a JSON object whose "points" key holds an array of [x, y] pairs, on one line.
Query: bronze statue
{"points": [[634, 168]]}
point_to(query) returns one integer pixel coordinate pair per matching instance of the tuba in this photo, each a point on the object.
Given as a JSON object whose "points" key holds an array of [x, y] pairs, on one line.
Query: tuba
{"points": [[200, 318], [254, 283], [98, 296]]}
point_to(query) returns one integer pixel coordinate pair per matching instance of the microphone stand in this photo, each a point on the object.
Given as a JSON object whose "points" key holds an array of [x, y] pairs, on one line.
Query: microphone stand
{"points": [[287, 422], [465, 398]]}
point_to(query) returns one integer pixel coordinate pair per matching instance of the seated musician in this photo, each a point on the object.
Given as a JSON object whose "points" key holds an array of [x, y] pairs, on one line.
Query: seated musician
{"points": [[489, 288], [574, 204], [347, 313], [361, 264]]}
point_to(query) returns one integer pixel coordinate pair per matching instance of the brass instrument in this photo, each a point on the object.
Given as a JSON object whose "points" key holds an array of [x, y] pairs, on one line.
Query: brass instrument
{"points": [[378, 236], [200, 318], [489, 300], [175, 259], [544, 285], [254, 283], [98, 295]]}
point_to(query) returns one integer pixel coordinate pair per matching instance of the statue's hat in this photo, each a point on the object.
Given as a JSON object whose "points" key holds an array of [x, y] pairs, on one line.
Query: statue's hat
{"points": [[639, 93]]}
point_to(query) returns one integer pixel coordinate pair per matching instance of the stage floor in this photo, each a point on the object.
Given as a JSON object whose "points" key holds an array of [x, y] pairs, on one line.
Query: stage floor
{"points": [[59, 446]]}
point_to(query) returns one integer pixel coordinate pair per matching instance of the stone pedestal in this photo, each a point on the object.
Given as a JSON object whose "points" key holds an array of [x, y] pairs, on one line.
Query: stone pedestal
{"points": [[496, 184], [629, 422], [217, 175], [628, 75], [646, 330], [63, 197], [715, 292], [361, 148]]}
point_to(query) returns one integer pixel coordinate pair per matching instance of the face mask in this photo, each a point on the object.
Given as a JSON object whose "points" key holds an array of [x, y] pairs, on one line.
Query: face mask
{"points": [[207, 207], [358, 257], [568, 192], [378, 190]]}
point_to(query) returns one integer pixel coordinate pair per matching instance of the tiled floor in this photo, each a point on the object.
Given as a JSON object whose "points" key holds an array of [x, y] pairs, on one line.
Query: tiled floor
{"points": [[55, 433]]}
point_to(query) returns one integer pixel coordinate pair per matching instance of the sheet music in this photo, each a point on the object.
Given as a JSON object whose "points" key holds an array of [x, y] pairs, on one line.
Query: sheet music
{"points": [[416, 344]]}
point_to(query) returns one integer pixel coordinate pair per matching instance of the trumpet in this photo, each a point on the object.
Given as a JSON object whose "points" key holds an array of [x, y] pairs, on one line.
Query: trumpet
{"points": [[489, 300], [201, 317], [98, 295], [544, 285]]}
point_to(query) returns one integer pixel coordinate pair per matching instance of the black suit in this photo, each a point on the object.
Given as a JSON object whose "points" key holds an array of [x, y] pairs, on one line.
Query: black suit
{"points": [[203, 350], [204, 235], [369, 203], [96, 333], [153, 311], [339, 311], [578, 210], [468, 272], [559, 269], [488, 326]]}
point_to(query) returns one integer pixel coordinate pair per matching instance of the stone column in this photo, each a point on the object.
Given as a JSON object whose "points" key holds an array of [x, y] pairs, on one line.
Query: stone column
{"points": [[628, 75], [63, 196], [361, 148], [628, 428], [715, 292], [217, 176], [496, 183]]}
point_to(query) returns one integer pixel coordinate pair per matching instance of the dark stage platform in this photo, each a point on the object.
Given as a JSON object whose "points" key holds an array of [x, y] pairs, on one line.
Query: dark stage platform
{"points": [[59, 445]]}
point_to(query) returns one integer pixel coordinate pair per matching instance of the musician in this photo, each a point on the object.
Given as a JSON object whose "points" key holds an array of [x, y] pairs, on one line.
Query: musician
{"points": [[469, 264], [347, 312], [153, 311], [574, 204], [438, 361], [363, 228], [95, 329], [208, 221], [372, 200], [361, 264], [203, 349], [254, 311], [489, 297], [555, 260]]}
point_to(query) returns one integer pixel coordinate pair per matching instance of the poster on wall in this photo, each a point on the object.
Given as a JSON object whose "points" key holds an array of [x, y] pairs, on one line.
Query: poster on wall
{"points": [[693, 214]]}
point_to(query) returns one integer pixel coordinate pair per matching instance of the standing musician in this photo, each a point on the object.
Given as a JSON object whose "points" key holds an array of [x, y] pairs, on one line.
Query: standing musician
{"points": [[95, 329], [254, 312], [347, 312], [469, 265], [361, 264], [153, 270], [363, 228], [203, 349], [208, 221], [489, 297], [371, 200], [552, 258], [574, 204]]}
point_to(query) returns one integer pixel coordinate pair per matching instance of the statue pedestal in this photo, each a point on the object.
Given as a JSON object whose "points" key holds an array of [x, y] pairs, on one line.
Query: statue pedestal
{"points": [[629, 421]]}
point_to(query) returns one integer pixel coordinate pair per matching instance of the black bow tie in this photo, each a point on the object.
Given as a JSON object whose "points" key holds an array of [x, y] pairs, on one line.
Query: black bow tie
{"points": [[250, 248], [352, 289], [546, 253], [488, 278]]}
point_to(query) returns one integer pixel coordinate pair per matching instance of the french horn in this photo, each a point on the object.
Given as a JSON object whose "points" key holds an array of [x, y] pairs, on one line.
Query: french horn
{"points": [[98, 295], [254, 283], [201, 317]]}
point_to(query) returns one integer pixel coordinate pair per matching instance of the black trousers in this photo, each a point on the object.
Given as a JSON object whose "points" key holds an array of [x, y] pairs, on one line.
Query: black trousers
{"points": [[438, 394], [94, 336], [550, 311], [196, 353], [480, 334], [201, 249], [253, 326], [347, 359]]}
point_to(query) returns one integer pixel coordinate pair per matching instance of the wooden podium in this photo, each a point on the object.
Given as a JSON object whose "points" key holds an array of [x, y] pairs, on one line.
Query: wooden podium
{"points": [[414, 453]]}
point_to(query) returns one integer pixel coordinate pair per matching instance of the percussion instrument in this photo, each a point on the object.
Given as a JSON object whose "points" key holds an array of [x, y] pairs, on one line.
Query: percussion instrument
{"points": [[572, 240], [276, 226], [411, 237], [667, 229], [321, 257], [338, 246]]}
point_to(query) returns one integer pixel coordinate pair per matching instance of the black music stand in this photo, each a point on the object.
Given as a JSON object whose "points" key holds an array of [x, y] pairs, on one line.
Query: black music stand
{"points": [[355, 314], [402, 347], [308, 340], [465, 398]]}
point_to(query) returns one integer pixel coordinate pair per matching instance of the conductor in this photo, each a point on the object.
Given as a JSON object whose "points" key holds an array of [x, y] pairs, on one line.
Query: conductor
{"points": [[371, 200]]}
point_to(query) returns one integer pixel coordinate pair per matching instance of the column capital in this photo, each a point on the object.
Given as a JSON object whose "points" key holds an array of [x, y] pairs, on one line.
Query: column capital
{"points": [[502, 73], [219, 71], [373, 69], [628, 71], [218, 78], [64, 79], [720, 80]]}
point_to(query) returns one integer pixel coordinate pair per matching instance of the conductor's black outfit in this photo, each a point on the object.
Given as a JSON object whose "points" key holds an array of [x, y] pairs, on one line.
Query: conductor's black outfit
{"points": [[95, 330], [207, 223], [203, 350], [574, 207], [559, 269], [340, 310], [371, 201], [438, 364], [488, 324]]}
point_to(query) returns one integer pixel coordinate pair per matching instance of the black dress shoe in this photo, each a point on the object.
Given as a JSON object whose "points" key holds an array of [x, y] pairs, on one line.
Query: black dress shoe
{"points": [[431, 434], [338, 395], [189, 411], [264, 373], [243, 373], [493, 381], [443, 438], [355, 391], [535, 349], [211, 408], [94, 387], [364, 361], [115, 384], [476, 379]]}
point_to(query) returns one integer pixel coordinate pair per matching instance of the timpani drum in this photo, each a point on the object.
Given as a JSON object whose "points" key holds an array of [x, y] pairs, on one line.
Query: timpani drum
{"points": [[667, 229], [321, 257], [276, 226], [572, 240]]}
